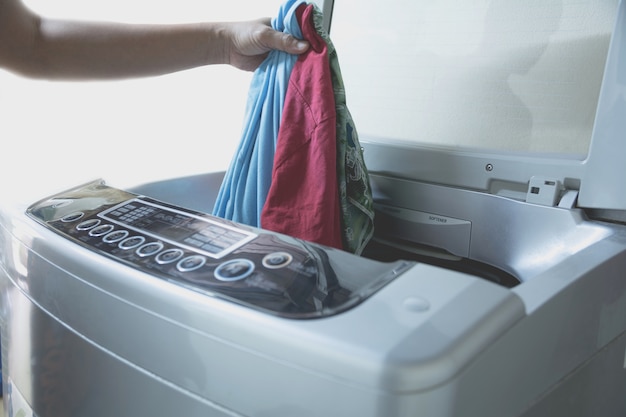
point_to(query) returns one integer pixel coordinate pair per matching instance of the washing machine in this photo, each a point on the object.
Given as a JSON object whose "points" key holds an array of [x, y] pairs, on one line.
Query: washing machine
{"points": [[494, 286]]}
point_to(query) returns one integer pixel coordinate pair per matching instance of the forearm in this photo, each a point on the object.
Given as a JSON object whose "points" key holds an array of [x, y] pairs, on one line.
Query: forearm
{"points": [[60, 49], [76, 50]]}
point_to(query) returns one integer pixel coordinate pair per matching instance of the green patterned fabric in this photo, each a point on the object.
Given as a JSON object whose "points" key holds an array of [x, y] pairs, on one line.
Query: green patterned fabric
{"points": [[355, 193]]}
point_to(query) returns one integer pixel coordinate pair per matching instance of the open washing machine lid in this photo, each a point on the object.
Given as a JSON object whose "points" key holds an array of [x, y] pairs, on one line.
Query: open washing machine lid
{"points": [[520, 100]]}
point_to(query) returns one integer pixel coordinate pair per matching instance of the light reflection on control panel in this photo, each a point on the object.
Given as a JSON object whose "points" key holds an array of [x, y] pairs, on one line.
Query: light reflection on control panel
{"points": [[263, 270]]}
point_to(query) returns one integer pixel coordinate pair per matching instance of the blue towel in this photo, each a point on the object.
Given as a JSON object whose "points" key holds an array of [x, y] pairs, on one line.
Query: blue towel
{"points": [[248, 178]]}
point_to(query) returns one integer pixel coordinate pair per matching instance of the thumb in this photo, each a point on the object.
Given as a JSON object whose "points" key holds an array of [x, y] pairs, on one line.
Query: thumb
{"points": [[287, 43]]}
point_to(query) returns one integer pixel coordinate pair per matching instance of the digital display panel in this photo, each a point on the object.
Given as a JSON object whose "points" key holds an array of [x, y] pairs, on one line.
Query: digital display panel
{"points": [[182, 229]]}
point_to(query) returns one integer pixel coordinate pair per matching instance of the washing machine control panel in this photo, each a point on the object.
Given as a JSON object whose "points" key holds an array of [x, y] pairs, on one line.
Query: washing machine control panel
{"points": [[260, 269], [197, 233]]}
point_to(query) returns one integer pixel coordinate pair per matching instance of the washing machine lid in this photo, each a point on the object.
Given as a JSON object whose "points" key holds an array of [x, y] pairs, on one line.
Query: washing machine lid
{"points": [[519, 99]]}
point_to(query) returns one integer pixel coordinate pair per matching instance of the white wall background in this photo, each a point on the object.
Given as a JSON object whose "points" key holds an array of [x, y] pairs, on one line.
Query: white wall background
{"points": [[496, 74], [56, 135]]}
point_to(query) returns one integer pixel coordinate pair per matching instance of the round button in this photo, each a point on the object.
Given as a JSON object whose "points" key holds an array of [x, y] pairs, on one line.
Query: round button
{"points": [[88, 224], [101, 230], [149, 249], [277, 260], [72, 217], [234, 270], [169, 256], [191, 263], [115, 236], [131, 242]]}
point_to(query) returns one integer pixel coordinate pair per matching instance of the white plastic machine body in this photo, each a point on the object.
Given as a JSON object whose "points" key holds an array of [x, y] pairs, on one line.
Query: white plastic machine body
{"points": [[495, 287]]}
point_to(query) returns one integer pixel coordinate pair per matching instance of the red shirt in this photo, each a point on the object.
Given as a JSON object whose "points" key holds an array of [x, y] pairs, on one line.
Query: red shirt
{"points": [[303, 200]]}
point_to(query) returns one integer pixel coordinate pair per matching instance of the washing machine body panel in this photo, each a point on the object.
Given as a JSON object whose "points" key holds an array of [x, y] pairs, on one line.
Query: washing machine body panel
{"points": [[116, 337]]}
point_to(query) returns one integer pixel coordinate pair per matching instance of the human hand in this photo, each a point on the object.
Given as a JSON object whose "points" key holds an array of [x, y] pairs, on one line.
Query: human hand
{"points": [[248, 43]]}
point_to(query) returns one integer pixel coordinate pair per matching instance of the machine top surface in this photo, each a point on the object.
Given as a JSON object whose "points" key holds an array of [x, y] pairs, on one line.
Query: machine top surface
{"points": [[263, 270]]}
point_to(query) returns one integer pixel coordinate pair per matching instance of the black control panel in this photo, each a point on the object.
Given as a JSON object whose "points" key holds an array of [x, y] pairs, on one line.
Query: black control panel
{"points": [[264, 270]]}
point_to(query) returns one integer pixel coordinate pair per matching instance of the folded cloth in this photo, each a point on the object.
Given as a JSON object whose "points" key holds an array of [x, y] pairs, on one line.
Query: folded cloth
{"points": [[303, 200], [248, 178]]}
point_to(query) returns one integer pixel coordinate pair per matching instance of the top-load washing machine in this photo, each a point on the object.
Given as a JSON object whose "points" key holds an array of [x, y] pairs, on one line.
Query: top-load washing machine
{"points": [[494, 285]]}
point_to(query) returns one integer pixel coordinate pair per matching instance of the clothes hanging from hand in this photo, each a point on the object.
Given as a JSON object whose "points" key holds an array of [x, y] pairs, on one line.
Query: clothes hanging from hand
{"points": [[247, 181], [303, 200], [355, 192]]}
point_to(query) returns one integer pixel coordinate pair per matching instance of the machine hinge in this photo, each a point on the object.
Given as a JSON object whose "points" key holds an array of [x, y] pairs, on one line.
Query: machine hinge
{"points": [[550, 192]]}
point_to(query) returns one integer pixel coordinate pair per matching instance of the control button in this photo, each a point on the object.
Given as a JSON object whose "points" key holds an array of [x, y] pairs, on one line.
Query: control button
{"points": [[169, 256], [149, 249], [193, 242], [277, 260], [101, 230], [69, 218], [88, 224], [131, 242], [115, 236], [211, 248], [191, 263], [234, 270]]}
